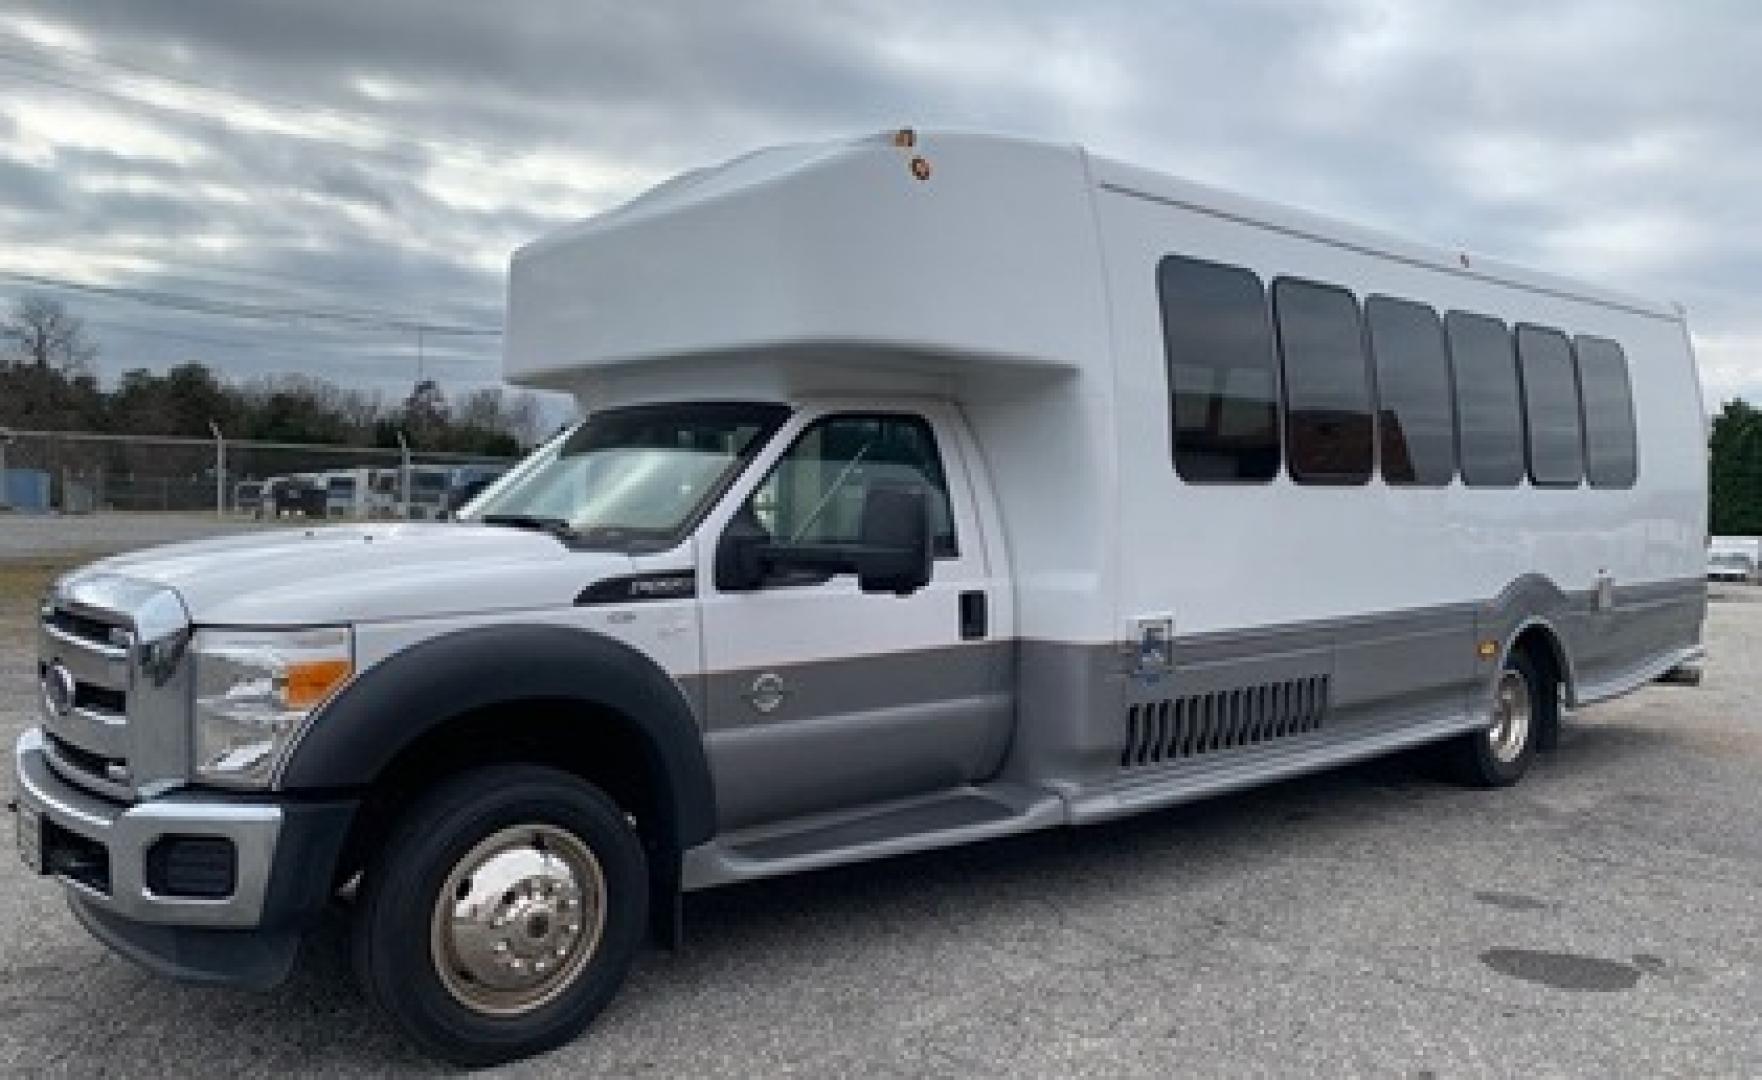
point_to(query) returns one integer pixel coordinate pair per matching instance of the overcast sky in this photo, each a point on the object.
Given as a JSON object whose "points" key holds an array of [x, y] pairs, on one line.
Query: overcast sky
{"points": [[381, 158]]}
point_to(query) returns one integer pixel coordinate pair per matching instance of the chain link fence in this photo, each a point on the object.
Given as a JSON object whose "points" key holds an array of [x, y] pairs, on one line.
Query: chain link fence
{"points": [[78, 473]]}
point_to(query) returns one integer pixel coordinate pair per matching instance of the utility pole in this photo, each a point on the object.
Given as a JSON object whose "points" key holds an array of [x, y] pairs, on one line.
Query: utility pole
{"points": [[5, 498], [404, 476], [219, 470]]}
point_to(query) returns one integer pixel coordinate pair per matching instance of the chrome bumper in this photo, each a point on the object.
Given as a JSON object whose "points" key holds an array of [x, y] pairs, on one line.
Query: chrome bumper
{"points": [[126, 832]]}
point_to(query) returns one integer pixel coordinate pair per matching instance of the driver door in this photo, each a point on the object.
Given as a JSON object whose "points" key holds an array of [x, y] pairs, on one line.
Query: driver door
{"points": [[822, 697]]}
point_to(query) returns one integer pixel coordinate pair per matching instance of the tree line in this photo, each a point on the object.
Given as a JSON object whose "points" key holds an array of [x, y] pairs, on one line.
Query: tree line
{"points": [[1734, 463], [47, 383]]}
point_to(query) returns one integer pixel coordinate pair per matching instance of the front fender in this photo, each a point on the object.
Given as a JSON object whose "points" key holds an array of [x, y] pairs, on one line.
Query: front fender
{"points": [[349, 741]]}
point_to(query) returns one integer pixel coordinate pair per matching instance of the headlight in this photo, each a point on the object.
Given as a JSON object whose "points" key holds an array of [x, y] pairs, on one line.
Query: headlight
{"points": [[254, 691]]}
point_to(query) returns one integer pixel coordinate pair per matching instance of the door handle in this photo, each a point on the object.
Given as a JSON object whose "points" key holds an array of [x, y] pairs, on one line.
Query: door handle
{"points": [[973, 615]]}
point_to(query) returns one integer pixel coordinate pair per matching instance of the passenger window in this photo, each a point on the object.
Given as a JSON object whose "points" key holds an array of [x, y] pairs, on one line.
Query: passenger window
{"points": [[1550, 407], [1488, 406], [1327, 385], [1416, 420], [1223, 389], [818, 490], [1611, 445]]}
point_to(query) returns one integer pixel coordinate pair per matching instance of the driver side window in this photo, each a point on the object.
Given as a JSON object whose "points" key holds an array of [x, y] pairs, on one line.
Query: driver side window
{"points": [[817, 491]]}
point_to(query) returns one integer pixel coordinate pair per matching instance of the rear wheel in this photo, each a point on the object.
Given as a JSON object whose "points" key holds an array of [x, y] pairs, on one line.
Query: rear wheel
{"points": [[502, 914], [1500, 754]]}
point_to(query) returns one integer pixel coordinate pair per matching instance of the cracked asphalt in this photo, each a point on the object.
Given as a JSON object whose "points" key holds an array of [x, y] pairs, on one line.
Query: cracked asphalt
{"points": [[1601, 919]]}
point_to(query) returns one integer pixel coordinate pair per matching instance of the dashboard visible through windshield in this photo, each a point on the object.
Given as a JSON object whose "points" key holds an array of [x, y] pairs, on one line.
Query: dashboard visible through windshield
{"points": [[632, 479]]}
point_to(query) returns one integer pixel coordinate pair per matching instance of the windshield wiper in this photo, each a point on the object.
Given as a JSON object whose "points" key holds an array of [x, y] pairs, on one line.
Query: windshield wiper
{"points": [[556, 526]]}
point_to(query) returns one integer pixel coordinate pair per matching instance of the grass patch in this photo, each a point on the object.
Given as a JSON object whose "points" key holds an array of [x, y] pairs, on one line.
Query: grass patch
{"points": [[22, 583]]}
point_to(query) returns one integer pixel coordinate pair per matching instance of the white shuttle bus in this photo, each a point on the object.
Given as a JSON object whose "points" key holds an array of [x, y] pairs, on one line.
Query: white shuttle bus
{"points": [[935, 489]]}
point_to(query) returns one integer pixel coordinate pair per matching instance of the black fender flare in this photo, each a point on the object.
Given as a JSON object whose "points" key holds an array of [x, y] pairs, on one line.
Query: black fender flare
{"points": [[386, 708]]}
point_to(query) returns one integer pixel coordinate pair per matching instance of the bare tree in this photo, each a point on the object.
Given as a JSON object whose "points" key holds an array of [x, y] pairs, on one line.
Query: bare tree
{"points": [[493, 409], [44, 334]]}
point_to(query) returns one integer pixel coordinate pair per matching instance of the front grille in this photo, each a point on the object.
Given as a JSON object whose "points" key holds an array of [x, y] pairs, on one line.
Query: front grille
{"points": [[84, 627], [1176, 729], [84, 668], [96, 766], [100, 699]]}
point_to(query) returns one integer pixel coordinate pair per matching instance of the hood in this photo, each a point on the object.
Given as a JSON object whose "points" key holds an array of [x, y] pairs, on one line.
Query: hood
{"points": [[366, 573]]}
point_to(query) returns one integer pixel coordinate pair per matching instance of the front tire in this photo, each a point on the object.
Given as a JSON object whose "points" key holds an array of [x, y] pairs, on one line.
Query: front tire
{"points": [[502, 914], [1500, 755]]}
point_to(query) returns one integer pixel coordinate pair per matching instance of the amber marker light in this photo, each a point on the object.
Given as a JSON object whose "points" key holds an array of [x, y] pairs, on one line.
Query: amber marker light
{"points": [[1487, 649], [920, 168], [307, 683], [905, 138]]}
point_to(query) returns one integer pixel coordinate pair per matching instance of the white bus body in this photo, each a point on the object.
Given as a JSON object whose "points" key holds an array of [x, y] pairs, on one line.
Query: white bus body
{"points": [[1019, 284]]}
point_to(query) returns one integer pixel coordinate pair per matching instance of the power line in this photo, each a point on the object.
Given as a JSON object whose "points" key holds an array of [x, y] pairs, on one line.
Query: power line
{"points": [[240, 309], [173, 335], [188, 277]]}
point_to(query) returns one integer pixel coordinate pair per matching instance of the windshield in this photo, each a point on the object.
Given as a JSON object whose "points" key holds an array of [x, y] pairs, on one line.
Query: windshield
{"points": [[633, 479]]}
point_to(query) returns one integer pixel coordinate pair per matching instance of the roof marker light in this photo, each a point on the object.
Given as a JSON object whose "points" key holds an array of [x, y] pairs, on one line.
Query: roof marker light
{"points": [[905, 138]]}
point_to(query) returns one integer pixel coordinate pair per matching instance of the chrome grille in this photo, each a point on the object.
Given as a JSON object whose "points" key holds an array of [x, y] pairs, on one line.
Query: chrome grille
{"points": [[116, 691], [1175, 729], [88, 732], [95, 632]]}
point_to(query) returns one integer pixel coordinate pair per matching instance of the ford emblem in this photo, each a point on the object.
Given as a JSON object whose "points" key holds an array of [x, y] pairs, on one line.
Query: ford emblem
{"points": [[59, 689]]}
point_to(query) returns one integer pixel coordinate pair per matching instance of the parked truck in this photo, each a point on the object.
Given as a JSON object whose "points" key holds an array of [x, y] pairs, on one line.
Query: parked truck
{"points": [[1734, 558], [935, 489]]}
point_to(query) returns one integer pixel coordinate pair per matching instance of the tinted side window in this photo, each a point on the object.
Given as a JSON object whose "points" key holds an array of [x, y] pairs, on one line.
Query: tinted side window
{"points": [[818, 490], [1550, 406], [1611, 447], [1416, 419], [1222, 387], [1327, 386], [1488, 408]]}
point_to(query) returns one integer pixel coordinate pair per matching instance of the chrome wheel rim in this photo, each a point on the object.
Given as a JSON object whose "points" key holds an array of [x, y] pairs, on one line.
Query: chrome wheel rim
{"points": [[1511, 717], [517, 919]]}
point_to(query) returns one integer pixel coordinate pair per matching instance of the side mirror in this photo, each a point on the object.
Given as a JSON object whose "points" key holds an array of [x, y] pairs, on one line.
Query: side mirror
{"points": [[893, 553], [739, 566], [896, 555]]}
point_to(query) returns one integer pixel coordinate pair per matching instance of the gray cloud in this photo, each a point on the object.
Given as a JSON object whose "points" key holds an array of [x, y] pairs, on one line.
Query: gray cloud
{"points": [[388, 155]]}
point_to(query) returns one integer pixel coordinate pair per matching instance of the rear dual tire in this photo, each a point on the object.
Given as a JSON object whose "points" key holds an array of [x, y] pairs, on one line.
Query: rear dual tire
{"points": [[1525, 705], [502, 914]]}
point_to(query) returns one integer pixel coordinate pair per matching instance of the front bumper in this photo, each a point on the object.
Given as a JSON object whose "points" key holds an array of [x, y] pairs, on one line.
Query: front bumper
{"points": [[284, 870]]}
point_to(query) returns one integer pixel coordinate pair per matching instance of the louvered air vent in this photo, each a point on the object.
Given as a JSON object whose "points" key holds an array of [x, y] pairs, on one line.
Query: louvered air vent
{"points": [[1178, 728]]}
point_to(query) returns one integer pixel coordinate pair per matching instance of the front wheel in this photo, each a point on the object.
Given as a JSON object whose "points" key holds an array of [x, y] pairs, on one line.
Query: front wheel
{"points": [[502, 914], [1500, 754]]}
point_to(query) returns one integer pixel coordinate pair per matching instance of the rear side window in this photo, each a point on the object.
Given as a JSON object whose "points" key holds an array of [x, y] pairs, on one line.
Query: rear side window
{"points": [[1611, 446], [1416, 419], [1327, 385], [1488, 406], [1223, 387], [1550, 407]]}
